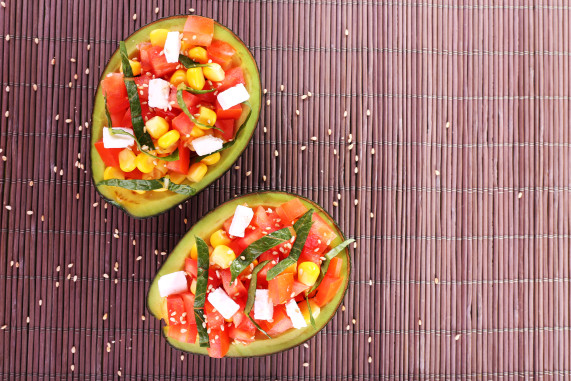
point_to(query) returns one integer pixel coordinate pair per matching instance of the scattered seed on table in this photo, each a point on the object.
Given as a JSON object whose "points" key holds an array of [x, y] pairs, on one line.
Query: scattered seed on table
{"points": [[30, 212], [343, 308], [4, 327], [372, 215], [139, 258], [303, 148], [7, 37], [276, 153], [297, 112], [370, 282], [72, 367], [7, 89], [191, 10], [135, 16], [457, 337], [7, 113], [370, 359], [372, 151], [3, 4], [248, 173], [370, 339], [156, 10], [436, 281], [335, 203], [334, 151], [28, 320], [104, 316], [237, 167], [88, 47], [95, 204], [350, 146], [87, 71], [368, 112], [119, 373], [309, 93], [354, 321], [348, 328], [265, 91], [346, 32], [53, 62], [329, 132], [520, 195], [58, 269], [338, 196], [314, 138], [264, 177], [419, 322], [265, 130], [356, 170], [143, 317], [437, 172], [73, 349], [282, 87], [306, 345], [8, 207], [268, 102], [105, 276], [31, 183], [303, 97], [356, 202], [40, 302], [305, 364]]}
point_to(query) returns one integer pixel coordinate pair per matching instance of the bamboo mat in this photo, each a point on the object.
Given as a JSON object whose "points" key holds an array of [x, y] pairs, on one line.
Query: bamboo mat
{"points": [[448, 159]]}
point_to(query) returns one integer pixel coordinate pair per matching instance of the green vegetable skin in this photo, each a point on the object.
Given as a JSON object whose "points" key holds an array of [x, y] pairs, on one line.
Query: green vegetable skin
{"points": [[154, 203], [212, 222]]}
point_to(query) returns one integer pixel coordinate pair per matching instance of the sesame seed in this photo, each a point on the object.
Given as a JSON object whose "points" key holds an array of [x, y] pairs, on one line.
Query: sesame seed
{"points": [[4, 327], [35, 87], [88, 47], [372, 215], [297, 112], [338, 196], [40, 302], [29, 212], [87, 71], [135, 16], [335, 203], [437, 172], [314, 138], [354, 321], [447, 124], [370, 282], [73, 349], [356, 158], [3, 4], [248, 173], [191, 10], [356, 202], [7, 89], [58, 268], [346, 32], [37, 40], [356, 170], [372, 151], [264, 177], [268, 102], [104, 316], [265, 130], [520, 195], [139, 258], [7, 113], [53, 62], [350, 146], [119, 373], [237, 167], [303, 97], [57, 117], [156, 10], [282, 87], [370, 339], [345, 114], [28, 320], [370, 359], [329, 131], [276, 153], [309, 93], [7, 37], [368, 112], [343, 308], [8, 207], [265, 91], [419, 322], [348, 327], [306, 345], [72, 367], [305, 364], [303, 148], [457, 337]]}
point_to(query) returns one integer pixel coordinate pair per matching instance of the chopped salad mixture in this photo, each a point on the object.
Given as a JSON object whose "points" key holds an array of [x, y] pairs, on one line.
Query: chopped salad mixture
{"points": [[265, 272], [172, 107]]}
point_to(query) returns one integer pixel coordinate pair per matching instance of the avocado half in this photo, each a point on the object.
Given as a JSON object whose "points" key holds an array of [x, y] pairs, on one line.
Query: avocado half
{"points": [[154, 203], [212, 222]]}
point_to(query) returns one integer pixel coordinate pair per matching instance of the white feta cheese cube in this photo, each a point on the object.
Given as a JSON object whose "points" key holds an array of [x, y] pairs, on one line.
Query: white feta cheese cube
{"points": [[233, 96], [263, 306], [223, 303], [159, 91], [295, 314], [111, 140], [242, 218], [173, 283], [172, 47], [207, 144]]}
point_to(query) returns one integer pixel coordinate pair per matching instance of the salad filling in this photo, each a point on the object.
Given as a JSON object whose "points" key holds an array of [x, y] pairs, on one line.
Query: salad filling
{"points": [[173, 106], [264, 272]]}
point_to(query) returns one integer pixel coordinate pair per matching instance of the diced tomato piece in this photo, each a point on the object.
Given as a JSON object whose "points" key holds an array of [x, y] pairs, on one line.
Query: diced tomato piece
{"points": [[321, 229], [335, 267], [174, 309], [117, 117], [144, 55], [284, 218], [213, 279], [294, 208], [142, 83], [310, 256], [219, 342], [281, 322], [134, 175], [191, 267], [280, 288], [199, 30], [188, 300], [110, 156], [221, 52], [191, 100], [126, 121], [227, 126], [161, 68], [249, 237], [185, 333], [262, 276], [241, 334], [261, 218], [169, 115], [207, 97], [234, 289], [298, 288], [233, 112], [227, 224], [328, 288], [214, 319], [232, 77], [182, 124], [183, 163], [114, 89], [270, 255]]}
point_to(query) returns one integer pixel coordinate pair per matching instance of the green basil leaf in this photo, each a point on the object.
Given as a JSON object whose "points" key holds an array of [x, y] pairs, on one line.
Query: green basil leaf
{"points": [[148, 185], [252, 295], [172, 157], [328, 257], [142, 137], [203, 263], [188, 63], [311, 319], [109, 121], [182, 105], [256, 249], [231, 142], [194, 91], [301, 227], [203, 339]]}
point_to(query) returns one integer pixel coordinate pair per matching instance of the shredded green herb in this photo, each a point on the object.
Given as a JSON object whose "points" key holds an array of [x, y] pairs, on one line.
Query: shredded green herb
{"points": [[172, 157], [301, 227], [203, 263], [188, 63], [142, 137], [328, 257], [256, 249], [182, 104], [194, 91], [311, 319], [252, 295], [109, 121], [148, 185]]}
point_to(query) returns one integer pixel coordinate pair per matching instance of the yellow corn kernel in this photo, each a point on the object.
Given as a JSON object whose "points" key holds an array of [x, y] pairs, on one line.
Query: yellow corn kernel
{"points": [[222, 256], [291, 268], [159, 36], [176, 177], [197, 172], [255, 263], [195, 78], [198, 54], [144, 163], [307, 273], [206, 116], [113, 173], [213, 72], [194, 252], [211, 159], [193, 286], [127, 160], [157, 126], [196, 132], [178, 77], [315, 310], [168, 139], [135, 67], [219, 237]]}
